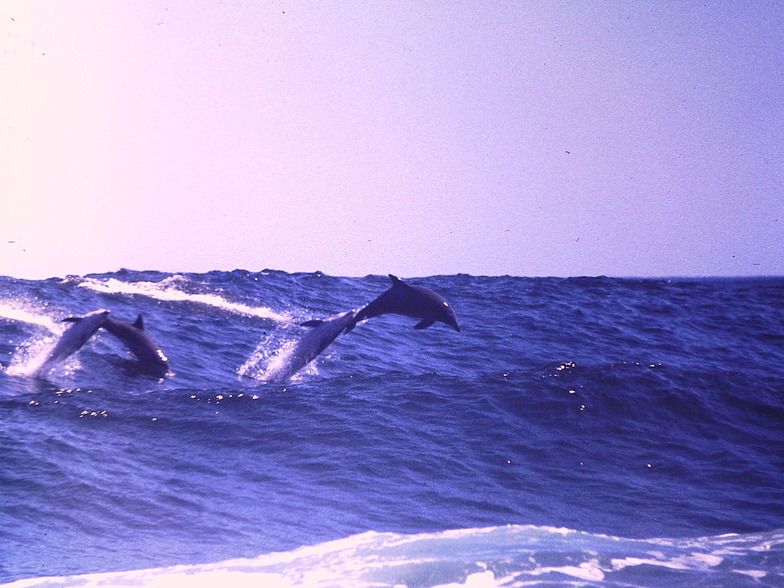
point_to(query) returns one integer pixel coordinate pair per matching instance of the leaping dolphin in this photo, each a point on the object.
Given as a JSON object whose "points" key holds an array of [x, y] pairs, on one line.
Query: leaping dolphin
{"points": [[73, 338], [139, 343], [414, 301], [309, 346]]}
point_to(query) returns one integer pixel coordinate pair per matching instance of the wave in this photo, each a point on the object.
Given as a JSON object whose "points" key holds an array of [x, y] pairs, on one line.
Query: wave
{"points": [[174, 289], [514, 555], [637, 410]]}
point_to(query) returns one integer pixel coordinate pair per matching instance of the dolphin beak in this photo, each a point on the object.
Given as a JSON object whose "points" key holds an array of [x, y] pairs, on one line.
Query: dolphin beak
{"points": [[456, 327]]}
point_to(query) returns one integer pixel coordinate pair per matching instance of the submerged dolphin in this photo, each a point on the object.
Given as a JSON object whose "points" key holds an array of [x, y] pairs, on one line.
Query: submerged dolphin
{"points": [[414, 301], [73, 338], [139, 343], [309, 346]]}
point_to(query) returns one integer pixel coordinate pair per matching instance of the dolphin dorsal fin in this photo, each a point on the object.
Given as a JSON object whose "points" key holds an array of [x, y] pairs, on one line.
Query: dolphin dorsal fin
{"points": [[396, 282], [139, 324]]}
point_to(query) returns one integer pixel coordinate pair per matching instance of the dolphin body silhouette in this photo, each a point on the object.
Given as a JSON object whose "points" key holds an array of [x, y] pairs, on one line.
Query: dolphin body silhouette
{"points": [[323, 333], [139, 343], [73, 338], [414, 301]]}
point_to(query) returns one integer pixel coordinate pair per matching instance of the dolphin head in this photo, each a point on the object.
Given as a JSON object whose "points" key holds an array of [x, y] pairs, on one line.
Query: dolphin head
{"points": [[447, 315], [435, 308], [421, 302]]}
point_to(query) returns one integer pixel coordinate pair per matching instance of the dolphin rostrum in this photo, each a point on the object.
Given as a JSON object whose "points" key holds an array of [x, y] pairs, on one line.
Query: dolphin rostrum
{"points": [[139, 343], [73, 338], [414, 301], [309, 346]]}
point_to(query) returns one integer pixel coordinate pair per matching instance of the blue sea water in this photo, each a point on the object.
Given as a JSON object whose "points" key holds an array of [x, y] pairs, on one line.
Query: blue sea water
{"points": [[578, 432]]}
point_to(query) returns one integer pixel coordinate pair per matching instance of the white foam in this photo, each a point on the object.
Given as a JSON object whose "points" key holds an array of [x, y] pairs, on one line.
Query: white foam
{"points": [[690, 561], [484, 579], [756, 574], [21, 312], [469, 558], [587, 570], [169, 290]]}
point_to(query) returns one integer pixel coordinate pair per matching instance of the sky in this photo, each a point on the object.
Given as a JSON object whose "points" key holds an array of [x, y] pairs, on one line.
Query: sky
{"points": [[536, 138]]}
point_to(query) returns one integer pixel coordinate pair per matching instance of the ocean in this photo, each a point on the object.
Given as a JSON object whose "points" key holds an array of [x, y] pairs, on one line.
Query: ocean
{"points": [[578, 432]]}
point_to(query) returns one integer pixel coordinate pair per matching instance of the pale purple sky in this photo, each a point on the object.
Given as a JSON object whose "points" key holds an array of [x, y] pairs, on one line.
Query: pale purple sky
{"points": [[416, 138]]}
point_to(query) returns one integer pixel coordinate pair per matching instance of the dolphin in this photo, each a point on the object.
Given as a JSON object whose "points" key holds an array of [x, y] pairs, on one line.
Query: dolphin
{"points": [[73, 338], [414, 301], [139, 343], [309, 346]]}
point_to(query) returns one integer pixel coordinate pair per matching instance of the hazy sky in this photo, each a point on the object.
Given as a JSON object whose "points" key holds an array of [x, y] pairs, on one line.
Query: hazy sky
{"points": [[525, 138]]}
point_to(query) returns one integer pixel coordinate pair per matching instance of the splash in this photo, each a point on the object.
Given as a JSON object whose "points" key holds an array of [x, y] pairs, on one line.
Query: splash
{"points": [[30, 356], [171, 290], [272, 357]]}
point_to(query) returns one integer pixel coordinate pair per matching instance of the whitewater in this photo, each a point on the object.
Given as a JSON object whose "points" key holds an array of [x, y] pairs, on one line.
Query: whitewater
{"points": [[577, 432]]}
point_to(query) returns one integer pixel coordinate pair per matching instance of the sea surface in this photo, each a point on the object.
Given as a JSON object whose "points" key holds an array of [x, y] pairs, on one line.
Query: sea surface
{"points": [[578, 432]]}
